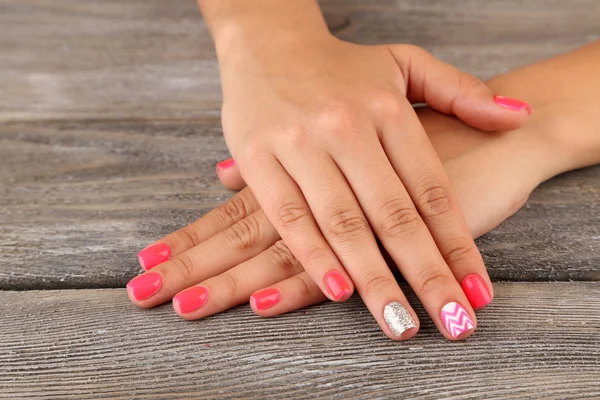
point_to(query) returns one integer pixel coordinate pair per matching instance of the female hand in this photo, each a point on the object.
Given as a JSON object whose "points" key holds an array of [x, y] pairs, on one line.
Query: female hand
{"points": [[324, 133], [233, 251]]}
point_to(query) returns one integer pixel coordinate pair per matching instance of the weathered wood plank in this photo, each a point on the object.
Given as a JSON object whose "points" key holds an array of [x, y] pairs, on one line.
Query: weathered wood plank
{"points": [[537, 340], [143, 58], [78, 200]]}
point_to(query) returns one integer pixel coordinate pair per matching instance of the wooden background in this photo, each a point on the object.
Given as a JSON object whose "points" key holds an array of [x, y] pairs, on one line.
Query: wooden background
{"points": [[109, 132]]}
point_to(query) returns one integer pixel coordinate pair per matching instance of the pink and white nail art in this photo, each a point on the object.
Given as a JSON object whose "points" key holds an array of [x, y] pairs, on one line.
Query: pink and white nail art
{"points": [[456, 319]]}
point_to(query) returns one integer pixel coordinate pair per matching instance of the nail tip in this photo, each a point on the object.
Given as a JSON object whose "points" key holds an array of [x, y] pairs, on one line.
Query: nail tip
{"points": [[397, 318], [456, 319]]}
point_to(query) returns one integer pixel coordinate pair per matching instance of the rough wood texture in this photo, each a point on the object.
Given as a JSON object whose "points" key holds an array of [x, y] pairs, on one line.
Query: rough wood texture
{"points": [[79, 199], [537, 340], [110, 134], [146, 59]]}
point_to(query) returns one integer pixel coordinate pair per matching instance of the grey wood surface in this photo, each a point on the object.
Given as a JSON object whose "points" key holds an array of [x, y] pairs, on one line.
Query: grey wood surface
{"points": [[154, 59], [537, 340], [109, 132], [80, 199]]}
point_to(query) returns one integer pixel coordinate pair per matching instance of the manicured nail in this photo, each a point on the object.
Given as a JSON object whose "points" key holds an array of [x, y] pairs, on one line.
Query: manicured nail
{"points": [[512, 104], [337, 285], [225, 164], [398, 318], [476, 291], [144, 286], [191, 299], [153, 255], [456, 319], [266, 298]]}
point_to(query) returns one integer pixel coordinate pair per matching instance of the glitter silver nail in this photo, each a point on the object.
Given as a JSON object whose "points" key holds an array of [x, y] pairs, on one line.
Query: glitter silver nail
{"points": [[398, 318]]}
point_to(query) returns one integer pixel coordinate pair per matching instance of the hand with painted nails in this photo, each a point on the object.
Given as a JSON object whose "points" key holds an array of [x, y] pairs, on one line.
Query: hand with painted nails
{"points": [[324, 133], [233, 254]]}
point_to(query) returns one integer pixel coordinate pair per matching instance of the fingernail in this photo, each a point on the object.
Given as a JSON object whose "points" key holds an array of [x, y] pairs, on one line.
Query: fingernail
{"points": [[337, 285], [153, 255], [144, 286], [225, 164], [191, 299], [476, 291], [398, 318], [266, 298], [512, 104], [456, 319]]}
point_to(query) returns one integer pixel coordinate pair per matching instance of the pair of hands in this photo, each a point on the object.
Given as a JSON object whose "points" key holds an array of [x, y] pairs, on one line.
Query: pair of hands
{"points": [[233, 254], [324, 133]]}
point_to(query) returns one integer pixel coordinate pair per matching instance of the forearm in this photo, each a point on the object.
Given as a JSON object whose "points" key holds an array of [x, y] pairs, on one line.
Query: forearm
{"points": [[235, 23], [563, 92]]}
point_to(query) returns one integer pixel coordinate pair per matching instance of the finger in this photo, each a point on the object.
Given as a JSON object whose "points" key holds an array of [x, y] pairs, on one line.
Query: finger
{"points": [[234, 287], [229, 175], [403, 233], [425, 178], [346, 229], [285, 206], [291, 294], [220, 218], [452, 91], [238, 243]]}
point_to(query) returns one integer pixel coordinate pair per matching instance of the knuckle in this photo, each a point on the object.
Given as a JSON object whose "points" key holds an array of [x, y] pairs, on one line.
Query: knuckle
{"points": [[340, 120], [305, 286], [253, 150], [244, 234], [431, 279], [461, 253], [283, 257], [184, 265], [417, 50], [374, 283], [190, 236], [316, 256], [467, 82], [346, 225], [292, 214], [237, 208], [297, 139], [388, 104], [397, 218], [435, 200], [228, 285]]}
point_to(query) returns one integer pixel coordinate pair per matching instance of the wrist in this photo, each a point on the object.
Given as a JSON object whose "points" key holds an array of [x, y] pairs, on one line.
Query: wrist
{"points": [[546, 139], [262, 26]]}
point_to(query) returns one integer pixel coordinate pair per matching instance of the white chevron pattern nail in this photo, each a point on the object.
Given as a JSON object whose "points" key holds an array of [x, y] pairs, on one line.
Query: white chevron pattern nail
{"points": [[456, 319]]}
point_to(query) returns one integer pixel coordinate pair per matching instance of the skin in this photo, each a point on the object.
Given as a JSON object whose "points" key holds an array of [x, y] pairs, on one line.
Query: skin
{"points": [[324, 134], [234, 250]]}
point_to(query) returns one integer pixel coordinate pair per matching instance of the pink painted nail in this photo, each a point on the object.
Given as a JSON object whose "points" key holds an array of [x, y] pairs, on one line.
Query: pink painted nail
{"points": [[266, 298], [512, 104], [337, 285], [191, 299], [144, 286], [153, 255], [476, 291], [225, 164], [456, 319]]}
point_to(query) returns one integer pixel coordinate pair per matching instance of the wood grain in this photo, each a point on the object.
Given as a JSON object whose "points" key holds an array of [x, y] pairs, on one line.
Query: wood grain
{"points": [[142, 59], [536, 341], [80, 199]]}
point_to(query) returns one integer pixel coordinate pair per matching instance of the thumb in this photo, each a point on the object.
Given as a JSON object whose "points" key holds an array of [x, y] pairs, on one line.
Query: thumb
{"points": [[452, 91], [229, 175]]}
